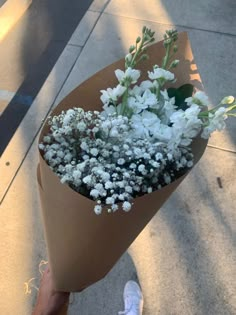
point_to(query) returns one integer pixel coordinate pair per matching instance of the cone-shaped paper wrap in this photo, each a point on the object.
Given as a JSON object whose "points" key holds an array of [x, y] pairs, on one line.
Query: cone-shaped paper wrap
{"points": [[83, 246]]}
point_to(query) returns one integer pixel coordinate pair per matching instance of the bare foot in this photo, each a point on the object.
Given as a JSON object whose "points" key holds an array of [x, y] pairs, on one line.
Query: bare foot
{"points": [[49, 301]]}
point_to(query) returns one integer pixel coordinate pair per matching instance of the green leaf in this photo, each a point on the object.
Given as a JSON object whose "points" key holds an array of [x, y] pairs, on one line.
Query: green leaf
{"points": [[171, 92], [186, 90], [181, 94]]}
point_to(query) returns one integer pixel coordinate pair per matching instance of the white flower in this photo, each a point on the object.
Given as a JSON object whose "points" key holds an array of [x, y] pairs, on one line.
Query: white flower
{"points": [[69, 168], [126, 175], [139, 130], [167, 179], [159, 73], [112, 94], [141, 168], [114, 207], [95, 129], [47, 139], [116, 155], [81, 126], [148, 99], [114, 132], [198, 98], [49, 155], [84, 146], [162, 132], [116, 148], [87, 179], [136, 90], [94, 193], [216, 122], [99, 187], [41, 146], [76, 174], [129, 74], [121, 197], [120, 184], [120, 75], [144, 123], [94, 151], [192, 112], [110, 200], [128, 153], [135, 105], [108, 110], [129, 189], [201, 97], [108, 185], [98, 209], [68, 157], [159, 156], [81, 166], [138, 153], [67, 119], [146, 85], [190, 164], [149, 190], [121, 161], [149, 120], [146, 156], [186, 125], [65, 178], [165, 95], [105, 176], [126, 206]]}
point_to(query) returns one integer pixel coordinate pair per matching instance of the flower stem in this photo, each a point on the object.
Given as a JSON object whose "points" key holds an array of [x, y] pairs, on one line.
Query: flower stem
{"points": [[166, 58], [124, 100]]}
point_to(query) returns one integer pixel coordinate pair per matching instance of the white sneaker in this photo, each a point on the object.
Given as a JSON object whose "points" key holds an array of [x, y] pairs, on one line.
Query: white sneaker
{"points": [[133, 299]]}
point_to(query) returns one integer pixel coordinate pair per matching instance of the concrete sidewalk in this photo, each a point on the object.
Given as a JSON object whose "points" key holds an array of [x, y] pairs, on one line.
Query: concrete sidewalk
{"points": [[185, 258]]}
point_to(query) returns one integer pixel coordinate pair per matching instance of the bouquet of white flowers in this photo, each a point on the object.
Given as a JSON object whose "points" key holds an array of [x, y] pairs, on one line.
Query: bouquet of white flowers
{"points": [[143, 139]]}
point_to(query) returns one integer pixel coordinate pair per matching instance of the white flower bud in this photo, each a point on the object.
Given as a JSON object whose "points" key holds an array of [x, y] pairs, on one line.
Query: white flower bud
{"points": [[227, 100], [121, 161], [98, 209], [128, 57], [126, 206]]}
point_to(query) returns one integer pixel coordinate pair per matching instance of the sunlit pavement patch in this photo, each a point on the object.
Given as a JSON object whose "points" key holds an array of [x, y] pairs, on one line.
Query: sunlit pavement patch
{"points": [[10, 12]]}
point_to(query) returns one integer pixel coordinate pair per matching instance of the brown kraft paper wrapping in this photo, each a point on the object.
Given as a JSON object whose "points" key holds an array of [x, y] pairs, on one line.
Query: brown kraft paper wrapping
{"points": [[82, 246]]}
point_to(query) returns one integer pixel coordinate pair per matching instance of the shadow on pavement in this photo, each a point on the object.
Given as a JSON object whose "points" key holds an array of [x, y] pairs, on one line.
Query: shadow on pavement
{"points": [[29, 53]]}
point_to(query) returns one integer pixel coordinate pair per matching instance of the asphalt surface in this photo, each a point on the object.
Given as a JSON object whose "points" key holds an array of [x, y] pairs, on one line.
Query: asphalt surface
{"points": [[29, 52]]}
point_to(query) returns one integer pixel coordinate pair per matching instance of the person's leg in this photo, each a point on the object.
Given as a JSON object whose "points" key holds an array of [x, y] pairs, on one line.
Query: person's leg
{"points": [[133, 299], [49, 301]]}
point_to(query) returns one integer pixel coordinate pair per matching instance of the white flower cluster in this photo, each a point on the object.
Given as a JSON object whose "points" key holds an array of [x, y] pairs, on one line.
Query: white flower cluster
{"points": [[112, 158], [139, 143], [102, 160]]}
